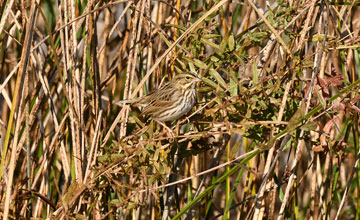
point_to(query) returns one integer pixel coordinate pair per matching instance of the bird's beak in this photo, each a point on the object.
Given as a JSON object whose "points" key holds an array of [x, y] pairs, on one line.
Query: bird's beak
{"points": [[197, 79]]}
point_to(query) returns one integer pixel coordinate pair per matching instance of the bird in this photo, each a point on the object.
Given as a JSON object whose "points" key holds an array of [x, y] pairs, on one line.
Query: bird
{"points": [[169, 102]]}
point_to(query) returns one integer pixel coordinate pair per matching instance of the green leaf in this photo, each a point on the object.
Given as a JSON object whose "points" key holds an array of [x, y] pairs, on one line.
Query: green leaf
{"points": [[295, 119], [210, 43], [200, 64], [255, 79], [233, 88], [182, 64], [231, 42], [210, 83], [218, 78], [209, 36], [191, 67], [214, 59], [116, 202], [80, 217], [164, 39], [237, 13], [310, 126]]}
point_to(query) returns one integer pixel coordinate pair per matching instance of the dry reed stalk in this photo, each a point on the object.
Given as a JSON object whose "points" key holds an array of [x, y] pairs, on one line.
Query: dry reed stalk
{"points": [[16, 102], [83, 56]]}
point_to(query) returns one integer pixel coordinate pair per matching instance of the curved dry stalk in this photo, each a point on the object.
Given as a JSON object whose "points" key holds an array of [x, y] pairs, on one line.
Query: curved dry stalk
{"points": [[132, 58], [16, 102]]}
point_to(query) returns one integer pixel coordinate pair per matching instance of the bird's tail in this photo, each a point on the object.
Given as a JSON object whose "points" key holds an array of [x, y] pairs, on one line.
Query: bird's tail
{"points": [[123, 102]]}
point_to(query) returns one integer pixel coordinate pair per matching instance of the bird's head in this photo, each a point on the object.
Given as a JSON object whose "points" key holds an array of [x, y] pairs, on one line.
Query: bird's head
{"points": [[186, 80]]}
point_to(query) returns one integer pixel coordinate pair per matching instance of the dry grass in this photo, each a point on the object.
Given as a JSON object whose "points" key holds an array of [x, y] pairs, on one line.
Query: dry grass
{"points": [[275, 132]]}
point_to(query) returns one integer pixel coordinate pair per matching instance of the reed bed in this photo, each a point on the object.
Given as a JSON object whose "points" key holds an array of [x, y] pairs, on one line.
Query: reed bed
{"points": [[274, 133]]}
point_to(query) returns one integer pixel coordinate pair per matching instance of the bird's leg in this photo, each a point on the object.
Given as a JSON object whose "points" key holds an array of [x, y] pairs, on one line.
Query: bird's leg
{"points": [[170, 132], [187, 119], [178, 124]]}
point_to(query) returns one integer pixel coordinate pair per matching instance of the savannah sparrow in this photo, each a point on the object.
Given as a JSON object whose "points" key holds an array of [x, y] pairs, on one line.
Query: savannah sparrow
{"points": [[171, 101]]}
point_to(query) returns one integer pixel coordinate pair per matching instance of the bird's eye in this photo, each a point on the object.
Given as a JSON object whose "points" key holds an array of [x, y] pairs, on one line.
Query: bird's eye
{"points": [[187, 77]]}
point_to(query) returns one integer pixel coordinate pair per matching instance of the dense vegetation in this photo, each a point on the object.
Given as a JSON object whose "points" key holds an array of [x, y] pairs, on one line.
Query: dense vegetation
{"points": [[274, 133]]}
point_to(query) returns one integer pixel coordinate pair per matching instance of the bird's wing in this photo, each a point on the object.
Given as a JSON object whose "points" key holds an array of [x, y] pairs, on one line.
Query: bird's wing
{"points": [[160, 100]]}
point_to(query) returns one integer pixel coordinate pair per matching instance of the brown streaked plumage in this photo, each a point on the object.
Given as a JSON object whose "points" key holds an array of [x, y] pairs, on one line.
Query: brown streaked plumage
{"points": [[171, 101]]}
